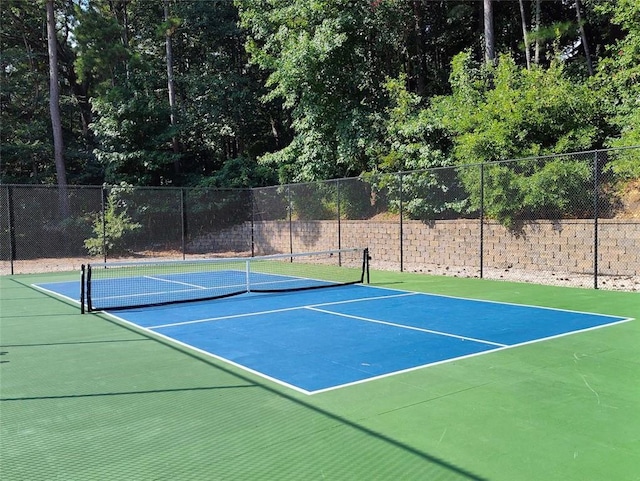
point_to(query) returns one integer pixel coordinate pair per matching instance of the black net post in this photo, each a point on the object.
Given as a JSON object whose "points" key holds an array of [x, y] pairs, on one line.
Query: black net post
{"points": [[88, 289], [82, 287], [365, 265]]}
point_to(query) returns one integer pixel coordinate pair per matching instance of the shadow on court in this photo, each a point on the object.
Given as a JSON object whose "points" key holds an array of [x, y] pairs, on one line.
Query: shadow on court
{"points": [[455, 471], [128, 393]]}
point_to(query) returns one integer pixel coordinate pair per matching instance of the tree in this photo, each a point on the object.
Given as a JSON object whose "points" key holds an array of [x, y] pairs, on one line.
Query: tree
{"points": [[169, 25], [413, 144], [221, 95], [54, 108], [328, 61], [163, 118], [146, 86], [506, 112], [54, 95], [583, 37], [489, 41], [619, 80], [525, 35], [28, 146], [24, 77], [429, 43]]}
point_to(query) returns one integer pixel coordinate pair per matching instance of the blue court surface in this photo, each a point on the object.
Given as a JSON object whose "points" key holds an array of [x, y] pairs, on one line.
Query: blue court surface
{"points": [[323, 339]]}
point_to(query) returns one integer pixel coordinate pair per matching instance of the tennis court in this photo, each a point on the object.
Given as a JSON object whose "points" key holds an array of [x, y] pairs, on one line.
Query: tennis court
{"points": [[321, 339], [409, 377]]}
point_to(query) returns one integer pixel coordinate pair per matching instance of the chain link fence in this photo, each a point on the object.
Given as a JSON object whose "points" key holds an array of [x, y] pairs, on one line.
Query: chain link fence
{"points": [[567, 219]]}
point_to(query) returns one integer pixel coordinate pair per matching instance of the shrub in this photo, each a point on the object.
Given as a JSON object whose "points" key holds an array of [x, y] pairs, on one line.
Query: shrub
{"points": [[111, 228]]}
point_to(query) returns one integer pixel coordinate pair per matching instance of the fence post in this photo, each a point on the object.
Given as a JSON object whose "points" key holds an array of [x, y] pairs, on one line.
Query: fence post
{"points": [[104, 222], [400, 180], [183, 217], [290, 220], [253, 217], [596, 182], [12, 227], [482, 220], [339, 226]]}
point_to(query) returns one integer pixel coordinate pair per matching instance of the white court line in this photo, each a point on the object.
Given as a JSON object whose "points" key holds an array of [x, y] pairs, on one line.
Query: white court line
{"points": [[54, 293], [487, 301], [232, 316], [365, 380], [170, 281], [161, 293], [273, 311], [412, 328], [467, 356], [170, 340]]}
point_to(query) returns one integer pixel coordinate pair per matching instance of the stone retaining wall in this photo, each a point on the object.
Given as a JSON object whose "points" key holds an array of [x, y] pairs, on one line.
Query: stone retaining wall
{"points": [[555, 246]]}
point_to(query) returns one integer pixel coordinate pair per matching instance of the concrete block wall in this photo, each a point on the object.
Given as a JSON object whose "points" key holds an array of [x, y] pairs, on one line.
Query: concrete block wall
{"points": [[555, 246], [233, 239]]}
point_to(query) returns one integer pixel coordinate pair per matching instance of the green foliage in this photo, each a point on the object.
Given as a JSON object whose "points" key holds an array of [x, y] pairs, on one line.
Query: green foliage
{"points": [[313, 201], [503, 112], [553, 188], [434, 194], [210, 209], [134, 136], [619, 79], [327, 61], [503, 194], [626, 164], [303, 86], [25, 127], [221, 115], [111, 228], [99, 57], [357, 201], [561, 187], [414, 143], [241, 172]]}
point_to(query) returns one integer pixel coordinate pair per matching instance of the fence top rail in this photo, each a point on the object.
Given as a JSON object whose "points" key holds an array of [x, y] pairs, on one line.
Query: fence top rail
{"points": [[514, 160], [132, 187]]}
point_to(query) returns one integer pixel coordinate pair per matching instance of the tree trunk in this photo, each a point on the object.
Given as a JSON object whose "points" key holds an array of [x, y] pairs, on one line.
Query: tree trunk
{"points": [[489, 42], [54, 108], [171, 84], [420, 60], [525, 36], [536, 58], [583, 36]]}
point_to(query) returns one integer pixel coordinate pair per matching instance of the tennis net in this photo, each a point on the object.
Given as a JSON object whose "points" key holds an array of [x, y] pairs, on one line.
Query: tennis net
{"points": [[126, 285]]}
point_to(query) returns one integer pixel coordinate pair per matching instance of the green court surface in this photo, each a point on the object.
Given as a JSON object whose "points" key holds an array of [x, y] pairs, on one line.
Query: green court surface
{"points": [[86, 398]]}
